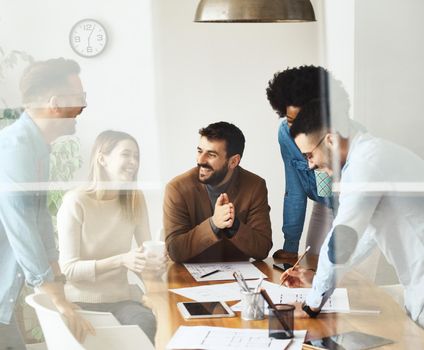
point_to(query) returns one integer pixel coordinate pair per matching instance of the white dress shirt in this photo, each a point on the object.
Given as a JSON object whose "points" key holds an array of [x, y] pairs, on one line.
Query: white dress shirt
{"points": [[374, 203]]}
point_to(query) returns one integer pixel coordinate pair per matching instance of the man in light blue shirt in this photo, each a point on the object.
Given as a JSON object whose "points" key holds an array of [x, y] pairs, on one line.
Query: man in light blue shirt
{"points": [[374, 209], [53, 97]]}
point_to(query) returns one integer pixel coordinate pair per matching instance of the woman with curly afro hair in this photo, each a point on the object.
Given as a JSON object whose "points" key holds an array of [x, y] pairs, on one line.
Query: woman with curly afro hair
{"points": [[287, 92]]}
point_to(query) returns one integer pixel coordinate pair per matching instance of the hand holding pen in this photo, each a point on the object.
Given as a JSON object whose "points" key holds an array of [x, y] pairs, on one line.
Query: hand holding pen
{"points": [[297, 277]]}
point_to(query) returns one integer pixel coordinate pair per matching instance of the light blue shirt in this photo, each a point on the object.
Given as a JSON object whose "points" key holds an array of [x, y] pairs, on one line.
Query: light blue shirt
{"points": [[383, 214], [27, 243]]}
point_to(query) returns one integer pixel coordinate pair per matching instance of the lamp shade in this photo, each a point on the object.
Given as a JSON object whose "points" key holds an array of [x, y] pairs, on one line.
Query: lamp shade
{"points": [[254, 11]]}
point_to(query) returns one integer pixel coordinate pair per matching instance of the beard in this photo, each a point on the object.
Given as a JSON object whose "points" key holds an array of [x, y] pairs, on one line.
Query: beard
{"points": [[215, 177], [328, 162], [66, 124]]}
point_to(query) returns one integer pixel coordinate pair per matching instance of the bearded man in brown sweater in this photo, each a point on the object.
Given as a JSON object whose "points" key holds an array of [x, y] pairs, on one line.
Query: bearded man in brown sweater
{"points": [[217, 211]]}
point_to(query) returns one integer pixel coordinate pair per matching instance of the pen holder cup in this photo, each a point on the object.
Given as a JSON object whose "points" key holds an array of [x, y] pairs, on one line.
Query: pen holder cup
{"points": [[281, 321], [252, 304]]}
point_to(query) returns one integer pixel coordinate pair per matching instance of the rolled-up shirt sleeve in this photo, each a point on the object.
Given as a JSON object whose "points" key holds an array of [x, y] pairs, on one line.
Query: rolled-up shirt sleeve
{"points": [[27, 227], [29, 251]]}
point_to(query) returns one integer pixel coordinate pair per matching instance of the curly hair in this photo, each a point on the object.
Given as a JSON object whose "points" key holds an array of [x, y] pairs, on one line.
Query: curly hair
{"points": [[297, 86]]}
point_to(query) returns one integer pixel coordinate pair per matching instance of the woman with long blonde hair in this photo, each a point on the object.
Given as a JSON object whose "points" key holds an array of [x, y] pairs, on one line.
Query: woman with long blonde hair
{"points": [[96, 227]]}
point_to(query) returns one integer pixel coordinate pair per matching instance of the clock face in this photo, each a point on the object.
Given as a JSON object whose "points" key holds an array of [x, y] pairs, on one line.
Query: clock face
{"points": [[88, 38]]}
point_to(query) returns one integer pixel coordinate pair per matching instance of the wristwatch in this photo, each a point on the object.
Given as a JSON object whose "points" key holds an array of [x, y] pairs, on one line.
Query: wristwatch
{"points": [[60, 278], [309, 311]]}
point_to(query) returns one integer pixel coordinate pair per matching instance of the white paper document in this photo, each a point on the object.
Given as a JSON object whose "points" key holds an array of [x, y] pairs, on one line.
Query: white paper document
{"points": [[247, 269], [298, 340], [214, 292], [338, 302], [219, 338]]}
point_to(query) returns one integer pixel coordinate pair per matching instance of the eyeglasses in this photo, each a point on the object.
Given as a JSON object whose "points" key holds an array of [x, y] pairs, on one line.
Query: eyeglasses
{"points": [[308, 155], [63, 100]]}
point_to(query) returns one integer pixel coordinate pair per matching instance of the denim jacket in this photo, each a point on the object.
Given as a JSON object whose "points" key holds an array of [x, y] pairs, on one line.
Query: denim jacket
{"points": [[300, 185], [27, 243]]}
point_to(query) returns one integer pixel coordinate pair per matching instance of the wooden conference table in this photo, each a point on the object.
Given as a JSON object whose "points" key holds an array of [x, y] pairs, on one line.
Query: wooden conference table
{"points": [[391, 323]]}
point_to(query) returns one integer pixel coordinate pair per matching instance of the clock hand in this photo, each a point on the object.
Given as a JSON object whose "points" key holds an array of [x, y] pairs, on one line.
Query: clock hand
{"points": [[89, 36]]}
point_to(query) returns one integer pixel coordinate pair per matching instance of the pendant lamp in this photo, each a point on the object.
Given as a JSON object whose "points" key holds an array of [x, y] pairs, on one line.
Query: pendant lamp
{"points": [[266, 11]]}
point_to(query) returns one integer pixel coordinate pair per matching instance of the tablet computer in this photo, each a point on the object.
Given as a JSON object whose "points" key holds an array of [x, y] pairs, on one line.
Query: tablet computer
{"points": [[205, 309], [350, 341]]}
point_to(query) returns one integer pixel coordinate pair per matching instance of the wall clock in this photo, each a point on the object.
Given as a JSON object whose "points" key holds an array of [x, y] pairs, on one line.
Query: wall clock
{"points": [[88, 38]]}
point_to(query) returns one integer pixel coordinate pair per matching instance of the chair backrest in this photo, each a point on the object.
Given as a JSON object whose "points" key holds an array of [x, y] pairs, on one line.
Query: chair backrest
{"points": [[55, 330]]}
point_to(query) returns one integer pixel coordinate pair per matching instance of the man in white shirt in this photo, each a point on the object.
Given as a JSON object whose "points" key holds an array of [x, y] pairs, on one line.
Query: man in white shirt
{"points": [[374, 209]]}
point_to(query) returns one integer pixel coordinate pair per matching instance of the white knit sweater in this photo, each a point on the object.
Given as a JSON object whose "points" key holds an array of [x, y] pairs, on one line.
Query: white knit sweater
{"points": [[91, 230]]}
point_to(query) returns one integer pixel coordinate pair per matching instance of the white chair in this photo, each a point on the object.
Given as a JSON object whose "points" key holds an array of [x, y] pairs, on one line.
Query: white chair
{"points": [[110, 334]]}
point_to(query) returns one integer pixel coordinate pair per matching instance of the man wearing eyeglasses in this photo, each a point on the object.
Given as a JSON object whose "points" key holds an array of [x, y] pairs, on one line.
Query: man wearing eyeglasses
{"points": [[391, 218], [287, 93], [53, 97]]}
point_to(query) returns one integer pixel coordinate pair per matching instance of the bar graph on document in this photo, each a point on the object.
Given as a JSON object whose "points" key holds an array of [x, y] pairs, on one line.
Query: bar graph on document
{"points": [[220, 338], [338, 302]]}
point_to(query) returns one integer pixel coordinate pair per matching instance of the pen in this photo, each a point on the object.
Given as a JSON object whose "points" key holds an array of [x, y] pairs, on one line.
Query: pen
{"points": [[243, 281], [259, 285], [297, 263], [268, 299], [209, 273], [239, 282]]}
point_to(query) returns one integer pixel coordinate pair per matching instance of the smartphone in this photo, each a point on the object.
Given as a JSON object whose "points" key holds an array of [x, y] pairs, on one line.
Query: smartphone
{"points": [[282, 267], [204, 309]]}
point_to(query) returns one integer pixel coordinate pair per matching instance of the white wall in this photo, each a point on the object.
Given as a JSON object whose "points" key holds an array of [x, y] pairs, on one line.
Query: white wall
{"points": [[211, 72], [119, 83], [339, 43], [389, 73], [162, 77], [376, 48]]}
